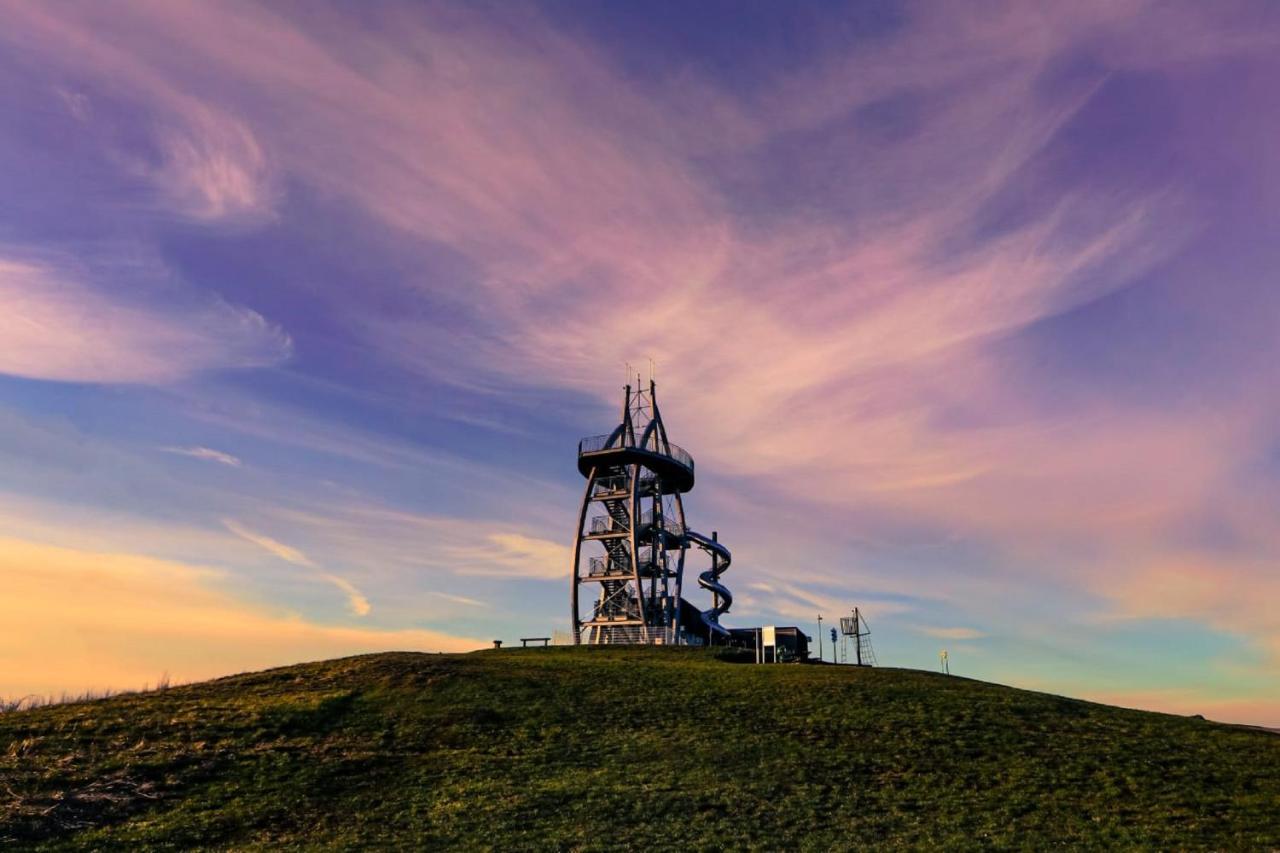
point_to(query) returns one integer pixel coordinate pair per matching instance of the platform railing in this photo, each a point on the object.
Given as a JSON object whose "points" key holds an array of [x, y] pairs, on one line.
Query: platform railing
{"points": [[613, 485], [598, 567], [633, 635], [624, 600], [621, 610], [596, 443], [607, 524], [670, 525], [618, 487]]}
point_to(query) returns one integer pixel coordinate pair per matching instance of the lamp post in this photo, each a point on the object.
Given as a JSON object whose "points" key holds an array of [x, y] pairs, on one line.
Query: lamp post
{"points": [[820, 638]]}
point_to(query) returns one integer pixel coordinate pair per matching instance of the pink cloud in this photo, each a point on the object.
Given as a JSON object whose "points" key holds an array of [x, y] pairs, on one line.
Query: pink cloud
{"points": [[55, 326], [207, 164], [1236, 596], [212, 170]]}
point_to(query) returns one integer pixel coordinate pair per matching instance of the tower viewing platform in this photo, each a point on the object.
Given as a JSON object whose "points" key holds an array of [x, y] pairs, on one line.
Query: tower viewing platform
{"points": [[674, 469]]}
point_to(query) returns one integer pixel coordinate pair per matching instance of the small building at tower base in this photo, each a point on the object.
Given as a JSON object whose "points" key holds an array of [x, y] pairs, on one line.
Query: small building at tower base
{"points": [[792, 644]]}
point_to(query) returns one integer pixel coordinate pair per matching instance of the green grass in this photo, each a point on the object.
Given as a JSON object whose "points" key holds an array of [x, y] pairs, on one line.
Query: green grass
{"points": [[635, 748]]}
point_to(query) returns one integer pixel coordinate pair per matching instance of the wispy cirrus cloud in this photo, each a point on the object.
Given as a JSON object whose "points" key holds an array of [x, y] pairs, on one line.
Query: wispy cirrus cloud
{"points": [[206, 453], [951, 633], [203, 163], [872, 318], [805, 605], [57, 325], [212, 170], [278, 549], [398, 540], [457, 599], [355, 599], [513, 555]]}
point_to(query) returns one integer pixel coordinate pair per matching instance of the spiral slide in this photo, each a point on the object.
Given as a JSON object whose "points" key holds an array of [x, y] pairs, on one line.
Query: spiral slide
{"points": [[710, 581]]}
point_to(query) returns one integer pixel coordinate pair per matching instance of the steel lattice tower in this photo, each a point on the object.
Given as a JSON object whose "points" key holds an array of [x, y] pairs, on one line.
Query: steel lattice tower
{"points": [[635, 481]]}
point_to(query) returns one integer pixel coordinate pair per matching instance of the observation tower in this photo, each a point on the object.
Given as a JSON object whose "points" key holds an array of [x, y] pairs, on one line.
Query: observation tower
{"points": [[631, 582]]}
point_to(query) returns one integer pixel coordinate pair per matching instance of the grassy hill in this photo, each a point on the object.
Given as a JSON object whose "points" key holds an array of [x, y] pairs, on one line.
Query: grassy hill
{"points": [[640, 748]]}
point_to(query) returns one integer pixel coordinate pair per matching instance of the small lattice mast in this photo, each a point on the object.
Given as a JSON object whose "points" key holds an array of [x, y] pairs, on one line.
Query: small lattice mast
{"points": [[855, 627]]}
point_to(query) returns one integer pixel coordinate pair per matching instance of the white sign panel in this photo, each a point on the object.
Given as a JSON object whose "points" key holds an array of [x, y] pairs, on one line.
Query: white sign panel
{"points": [[768, 636]]}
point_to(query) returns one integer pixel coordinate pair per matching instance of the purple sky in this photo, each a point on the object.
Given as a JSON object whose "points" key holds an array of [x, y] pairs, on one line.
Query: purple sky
{"points": [[966, 311]]}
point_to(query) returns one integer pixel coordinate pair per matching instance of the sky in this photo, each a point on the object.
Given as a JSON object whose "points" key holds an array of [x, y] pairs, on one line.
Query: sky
{"points": [[967, 313]]}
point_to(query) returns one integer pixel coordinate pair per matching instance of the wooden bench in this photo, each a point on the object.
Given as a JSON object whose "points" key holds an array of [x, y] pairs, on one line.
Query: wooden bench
{"points": [[525, 641]]}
